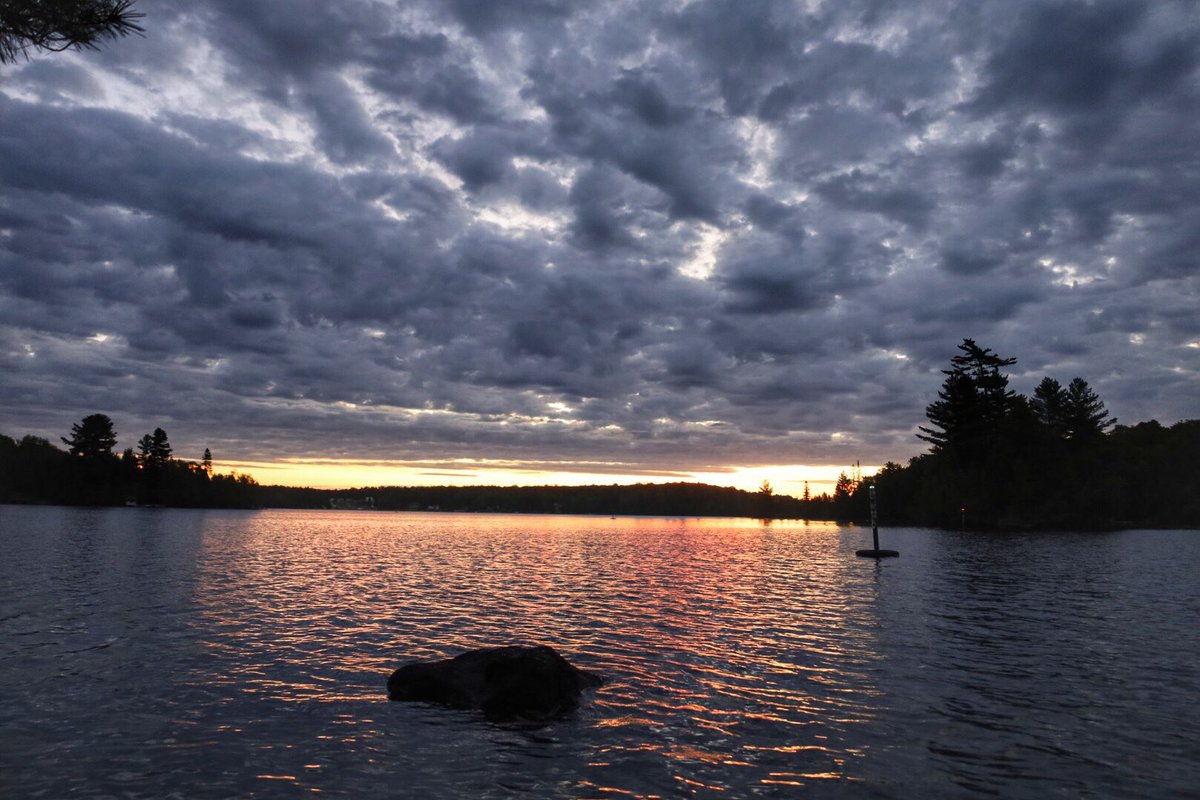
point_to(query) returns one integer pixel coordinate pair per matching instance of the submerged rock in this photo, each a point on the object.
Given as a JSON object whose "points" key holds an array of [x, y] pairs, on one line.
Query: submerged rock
{"points": [[506, 683]]}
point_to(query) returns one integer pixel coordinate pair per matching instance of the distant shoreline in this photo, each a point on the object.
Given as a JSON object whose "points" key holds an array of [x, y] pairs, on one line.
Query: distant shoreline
{"points": [[1142, 477], [865, 525]]}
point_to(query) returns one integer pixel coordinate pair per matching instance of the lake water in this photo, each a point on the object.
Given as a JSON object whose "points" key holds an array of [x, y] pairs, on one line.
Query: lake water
{"points": [[193, 654]]}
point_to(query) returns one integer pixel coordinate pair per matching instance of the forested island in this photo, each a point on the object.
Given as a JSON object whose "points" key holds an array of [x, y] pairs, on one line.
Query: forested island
{"points": [[997, 459]]}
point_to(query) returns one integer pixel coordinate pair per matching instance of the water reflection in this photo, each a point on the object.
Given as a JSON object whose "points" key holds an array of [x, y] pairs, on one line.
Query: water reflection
{"points": [[731, 645], [745, 659], [1029, 650]]}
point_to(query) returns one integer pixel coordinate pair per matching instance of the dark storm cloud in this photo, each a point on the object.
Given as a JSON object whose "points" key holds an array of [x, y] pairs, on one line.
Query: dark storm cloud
{"points": [[345, 132], [1073, 57], [603, 216], [654, 236], [858, 192], [432, 73], [481, 17], [628, 123], [484, 155]]}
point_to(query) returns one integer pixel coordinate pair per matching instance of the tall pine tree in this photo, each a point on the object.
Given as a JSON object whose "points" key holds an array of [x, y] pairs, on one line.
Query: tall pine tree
{"points": [[153, 449], [1084, 413], [92, 438], [972, 405]]}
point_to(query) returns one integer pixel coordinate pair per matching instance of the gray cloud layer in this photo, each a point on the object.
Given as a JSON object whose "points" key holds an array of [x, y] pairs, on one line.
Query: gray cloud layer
{"points": [[657, 235]]}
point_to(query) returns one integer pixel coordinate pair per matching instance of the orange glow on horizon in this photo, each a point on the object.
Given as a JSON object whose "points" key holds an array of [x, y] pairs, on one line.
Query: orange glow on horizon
{"points": [[785, 479]]}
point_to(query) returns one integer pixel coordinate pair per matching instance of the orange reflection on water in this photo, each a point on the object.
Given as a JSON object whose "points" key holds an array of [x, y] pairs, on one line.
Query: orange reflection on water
{"points": [[699, 784], [613, 790], [692, 753], [801, 778], [724, 632]]}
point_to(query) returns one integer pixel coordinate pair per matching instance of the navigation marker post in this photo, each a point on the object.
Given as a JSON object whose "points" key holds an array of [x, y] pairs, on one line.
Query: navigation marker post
{"points": [[875, 553]]}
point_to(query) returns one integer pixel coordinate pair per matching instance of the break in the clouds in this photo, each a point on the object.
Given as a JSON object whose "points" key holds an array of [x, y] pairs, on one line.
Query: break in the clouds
{"points": [[624, 236]]}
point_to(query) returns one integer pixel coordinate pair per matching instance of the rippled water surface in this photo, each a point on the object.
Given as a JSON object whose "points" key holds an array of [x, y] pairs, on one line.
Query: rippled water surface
{"points": [[193, 654]]}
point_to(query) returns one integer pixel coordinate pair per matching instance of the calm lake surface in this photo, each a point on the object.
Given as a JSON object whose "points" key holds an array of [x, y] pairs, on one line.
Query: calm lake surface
{"points": [[150, 653]]}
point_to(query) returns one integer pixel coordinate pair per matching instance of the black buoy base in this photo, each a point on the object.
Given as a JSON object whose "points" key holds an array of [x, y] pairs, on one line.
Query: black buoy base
{"points": [[876, 553]]}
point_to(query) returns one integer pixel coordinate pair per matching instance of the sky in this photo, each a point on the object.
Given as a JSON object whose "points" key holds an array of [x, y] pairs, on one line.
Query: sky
{"points": [[556, 241]]}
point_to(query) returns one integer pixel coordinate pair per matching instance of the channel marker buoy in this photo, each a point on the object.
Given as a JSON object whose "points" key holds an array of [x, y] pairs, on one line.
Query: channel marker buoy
{"points": [[875, 552]]}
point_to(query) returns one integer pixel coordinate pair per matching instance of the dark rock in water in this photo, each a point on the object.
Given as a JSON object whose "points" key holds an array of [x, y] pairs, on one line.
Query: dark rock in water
{"points": [[507, 683]]}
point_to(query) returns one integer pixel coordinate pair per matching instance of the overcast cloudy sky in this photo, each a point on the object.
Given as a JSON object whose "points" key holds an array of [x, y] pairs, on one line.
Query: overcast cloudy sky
{"points": [[445, 237]]}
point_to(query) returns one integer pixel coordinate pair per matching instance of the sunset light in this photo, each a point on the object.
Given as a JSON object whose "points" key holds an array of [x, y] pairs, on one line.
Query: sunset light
{"points": [[633, 399], [350, 473]]}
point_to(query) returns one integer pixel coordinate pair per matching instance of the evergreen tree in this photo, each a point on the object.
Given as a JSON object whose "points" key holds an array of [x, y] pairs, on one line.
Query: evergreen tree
{"points": [[1084, 414], [1049, 404], [145, 448], [62, 24], [153, 449], [206, 463], [843, 493], [92, 438], [973, 403]]}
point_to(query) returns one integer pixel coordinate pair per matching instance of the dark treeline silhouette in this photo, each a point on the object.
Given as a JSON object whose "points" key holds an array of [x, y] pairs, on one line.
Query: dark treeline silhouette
{"points": [[644, 499], [1057, 460], [89, 472], [997, 459]]}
